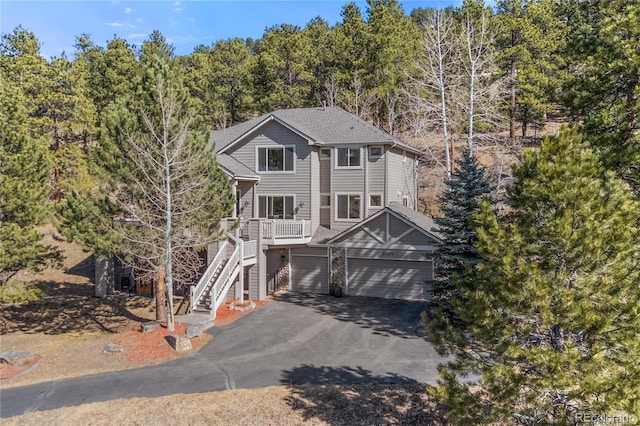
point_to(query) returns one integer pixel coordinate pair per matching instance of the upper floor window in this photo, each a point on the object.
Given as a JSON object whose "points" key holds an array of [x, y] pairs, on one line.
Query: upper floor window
{"points": [[348, 157], [325, 200], [375, 152], [348, 206], [276, 159], [275, 207]]}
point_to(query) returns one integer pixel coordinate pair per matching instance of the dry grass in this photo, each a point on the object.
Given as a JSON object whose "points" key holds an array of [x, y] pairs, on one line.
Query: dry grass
{"points": [[306, 405]]}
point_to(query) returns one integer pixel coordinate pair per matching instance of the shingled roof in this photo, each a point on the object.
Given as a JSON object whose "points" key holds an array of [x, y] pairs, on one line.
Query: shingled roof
{"points": [[321, 126], [236, 168]]}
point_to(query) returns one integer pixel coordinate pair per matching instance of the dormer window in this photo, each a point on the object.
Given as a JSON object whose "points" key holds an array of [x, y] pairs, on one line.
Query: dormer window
{"points": [[348, 157], [276, 159]]}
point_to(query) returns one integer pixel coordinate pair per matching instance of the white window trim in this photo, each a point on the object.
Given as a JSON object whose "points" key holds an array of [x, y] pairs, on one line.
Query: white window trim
{"points": [[381, 201], [320, 154], [375, 157], [274, 195], [337, 219], [274, 172], [325, 194], [404, 156], [348, 167]]}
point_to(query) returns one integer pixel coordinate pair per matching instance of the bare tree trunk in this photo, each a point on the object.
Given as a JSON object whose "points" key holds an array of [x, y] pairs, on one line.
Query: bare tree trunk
{"points": [[443, 88], [167, 234], [160, 296]]}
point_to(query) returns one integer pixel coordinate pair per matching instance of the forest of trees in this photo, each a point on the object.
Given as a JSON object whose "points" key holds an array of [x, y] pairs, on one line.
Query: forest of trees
{"points": [[72, 128]]}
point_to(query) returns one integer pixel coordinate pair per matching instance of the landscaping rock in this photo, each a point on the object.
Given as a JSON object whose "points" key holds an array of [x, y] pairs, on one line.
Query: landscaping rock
{"points": [[179, 343], [193, 331], [150, 325], [112, 348]]}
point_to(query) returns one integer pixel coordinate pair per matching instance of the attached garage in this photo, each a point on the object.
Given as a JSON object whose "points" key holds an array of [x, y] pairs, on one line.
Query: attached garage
{"points": [[391, 279], [389, 255], [309, 270]]}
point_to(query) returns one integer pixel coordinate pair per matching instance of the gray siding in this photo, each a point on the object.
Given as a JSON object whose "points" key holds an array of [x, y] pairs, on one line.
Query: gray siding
{"points": [[298, 184], [376, 173], [314, 190], [325, 188], [325, 217], [347, 181], [325, 175], [396, 227], [246, 198], [401, 177]]}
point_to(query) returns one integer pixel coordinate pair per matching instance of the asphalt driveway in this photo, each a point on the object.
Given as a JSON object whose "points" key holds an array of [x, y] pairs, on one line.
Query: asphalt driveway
{"points": [[295, 339]]}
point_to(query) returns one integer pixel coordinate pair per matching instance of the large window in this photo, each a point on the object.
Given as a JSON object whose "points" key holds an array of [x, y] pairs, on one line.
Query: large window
{"points": [[348, 157], [276, 159], [275, 206], [348, 206]]}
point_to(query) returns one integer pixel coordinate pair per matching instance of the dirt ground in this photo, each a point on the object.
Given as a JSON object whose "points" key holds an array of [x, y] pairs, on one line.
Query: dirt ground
{"points": [[68, 329]]}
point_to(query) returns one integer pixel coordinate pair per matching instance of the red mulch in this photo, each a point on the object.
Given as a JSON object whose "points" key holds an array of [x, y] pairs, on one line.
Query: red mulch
{"points": [[152, 346]]}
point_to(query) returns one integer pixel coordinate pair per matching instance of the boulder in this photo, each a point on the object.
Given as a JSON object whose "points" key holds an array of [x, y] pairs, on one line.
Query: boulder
{"points": [[193, 331], [179, 343], [112, 348]]}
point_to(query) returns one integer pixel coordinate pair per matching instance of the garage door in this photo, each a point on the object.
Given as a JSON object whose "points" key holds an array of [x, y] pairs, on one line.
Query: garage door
{"points": [[397, 279], [309, 274]]}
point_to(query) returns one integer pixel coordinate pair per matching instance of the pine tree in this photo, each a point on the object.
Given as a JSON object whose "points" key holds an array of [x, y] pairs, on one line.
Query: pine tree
{"points": [[604, 90], [168, 186], [465, 190], [553, 319], [24, 166]]}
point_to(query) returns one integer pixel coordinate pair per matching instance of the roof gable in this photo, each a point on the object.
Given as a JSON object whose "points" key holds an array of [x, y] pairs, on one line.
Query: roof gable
{"points": [[387, 228]]}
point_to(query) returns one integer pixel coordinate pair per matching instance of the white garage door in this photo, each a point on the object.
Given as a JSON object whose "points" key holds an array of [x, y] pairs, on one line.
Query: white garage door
{"points": [[309, 274], [392, 279]]}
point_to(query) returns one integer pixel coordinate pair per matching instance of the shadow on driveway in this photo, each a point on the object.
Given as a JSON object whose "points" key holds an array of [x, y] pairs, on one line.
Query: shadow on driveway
{"points": [[341, 400], [387, 317]]}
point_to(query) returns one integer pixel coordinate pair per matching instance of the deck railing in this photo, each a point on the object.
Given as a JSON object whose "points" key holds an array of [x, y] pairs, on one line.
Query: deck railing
{"points": [[285, 229], [250, 249], [197, 291]]}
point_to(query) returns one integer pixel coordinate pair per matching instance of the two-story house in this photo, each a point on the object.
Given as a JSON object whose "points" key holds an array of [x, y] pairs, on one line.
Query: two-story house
{"points": [[321, 196]]}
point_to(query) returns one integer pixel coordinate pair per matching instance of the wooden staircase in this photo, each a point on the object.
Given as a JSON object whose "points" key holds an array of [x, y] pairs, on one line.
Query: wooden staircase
{"points": [[211, 291], [203, 305]]}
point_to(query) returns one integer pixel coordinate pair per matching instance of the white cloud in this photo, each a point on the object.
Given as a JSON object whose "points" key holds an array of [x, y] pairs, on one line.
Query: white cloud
{"points": [[128, 10], [177, 7], [114, 24], [136, 35]]}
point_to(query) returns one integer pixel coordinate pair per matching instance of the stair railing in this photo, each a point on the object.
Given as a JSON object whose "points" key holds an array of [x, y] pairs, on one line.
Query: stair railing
{"points": [[227, 276], [197, 291]]}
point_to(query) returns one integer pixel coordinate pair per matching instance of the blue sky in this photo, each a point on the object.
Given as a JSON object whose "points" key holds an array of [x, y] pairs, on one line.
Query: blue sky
{"points": [[185, 24]]}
